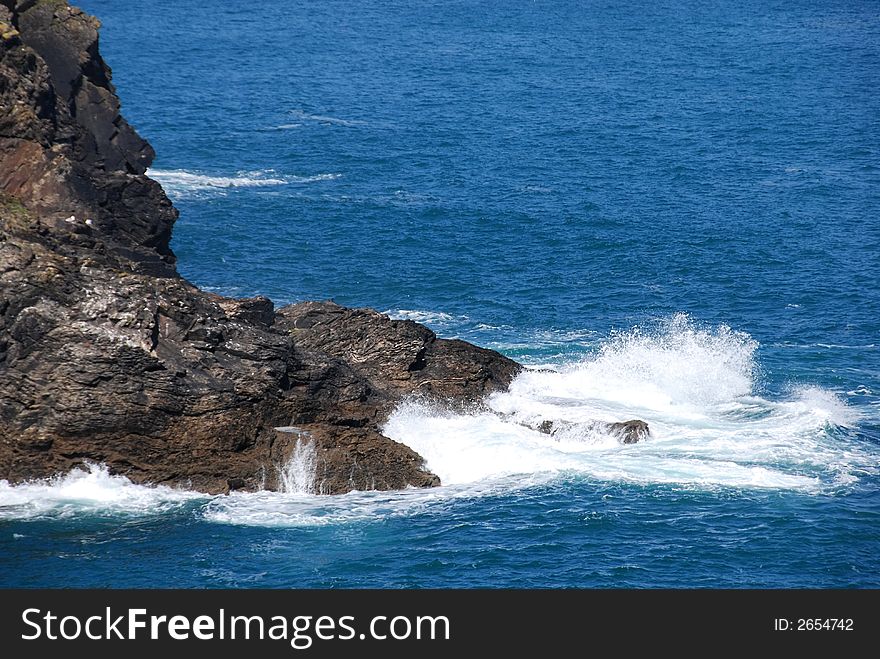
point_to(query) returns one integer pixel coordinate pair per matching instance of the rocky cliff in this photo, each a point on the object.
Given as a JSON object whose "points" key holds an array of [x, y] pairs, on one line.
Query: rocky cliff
{"points": [[108, 355]]}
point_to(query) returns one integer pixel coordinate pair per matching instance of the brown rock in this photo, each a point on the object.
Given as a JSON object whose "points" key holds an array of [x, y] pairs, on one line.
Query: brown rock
{"points": [[399, 357]]}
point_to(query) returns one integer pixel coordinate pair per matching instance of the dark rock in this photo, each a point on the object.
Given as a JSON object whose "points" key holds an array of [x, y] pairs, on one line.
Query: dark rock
{"points": [[352, 458], [630, 432], [236, 483], [545, 427], [256, 310], [65, 151], [398, 357]]}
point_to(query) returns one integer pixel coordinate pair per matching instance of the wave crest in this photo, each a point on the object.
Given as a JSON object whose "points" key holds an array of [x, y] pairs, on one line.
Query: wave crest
{"points": [[693, 385], [88, 489], [180, 183]]}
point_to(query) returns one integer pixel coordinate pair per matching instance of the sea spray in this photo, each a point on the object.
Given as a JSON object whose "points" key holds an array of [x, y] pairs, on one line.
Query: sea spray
{"points": [[179, 183], [298, 475], [89, 489], [694, 385], [675, 365]]}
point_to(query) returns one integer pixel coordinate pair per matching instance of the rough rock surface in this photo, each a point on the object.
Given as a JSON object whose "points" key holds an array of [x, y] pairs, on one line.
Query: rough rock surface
{"points": [[398, 356], [108, 355], [65, 151], [630, 432]]}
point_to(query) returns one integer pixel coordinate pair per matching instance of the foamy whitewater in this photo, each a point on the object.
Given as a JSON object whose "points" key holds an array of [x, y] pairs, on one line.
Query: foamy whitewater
{"points": [[695, 386], [557, 181], [181, 183], [87, 491]]}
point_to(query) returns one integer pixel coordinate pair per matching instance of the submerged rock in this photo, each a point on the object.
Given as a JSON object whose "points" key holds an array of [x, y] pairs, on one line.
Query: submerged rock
{"points": [[627, 432], [630, 432]]}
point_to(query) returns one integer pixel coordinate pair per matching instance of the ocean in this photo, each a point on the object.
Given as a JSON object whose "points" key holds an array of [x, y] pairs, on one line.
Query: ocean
{"points": [[669, 211]]}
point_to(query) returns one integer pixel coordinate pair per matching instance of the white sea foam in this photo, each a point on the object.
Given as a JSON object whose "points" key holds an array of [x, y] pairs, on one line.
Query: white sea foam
{"points": [[324, 119], [181, 183], [694, 386], [181, 179], [284, 510], [433, 319], [313, 179], [298, 475], [87, 490]]}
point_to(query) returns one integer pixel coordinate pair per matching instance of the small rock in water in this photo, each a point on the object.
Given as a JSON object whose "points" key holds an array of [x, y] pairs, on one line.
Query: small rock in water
{"points": [[545, 427], [630, 432]]}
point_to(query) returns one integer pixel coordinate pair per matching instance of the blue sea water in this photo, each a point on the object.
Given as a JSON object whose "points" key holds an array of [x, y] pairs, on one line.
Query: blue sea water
{"points": [[672, 207]]}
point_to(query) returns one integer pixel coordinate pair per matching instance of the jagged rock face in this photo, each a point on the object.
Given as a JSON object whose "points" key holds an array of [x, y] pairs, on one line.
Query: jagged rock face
{"points": [[399, 356], [65, 151], [107, 355]]}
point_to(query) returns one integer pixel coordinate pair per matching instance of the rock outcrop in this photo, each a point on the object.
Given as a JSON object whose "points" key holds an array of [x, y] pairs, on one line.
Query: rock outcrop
{"points": [[401, 356], [108, 355], [65, 152]]}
